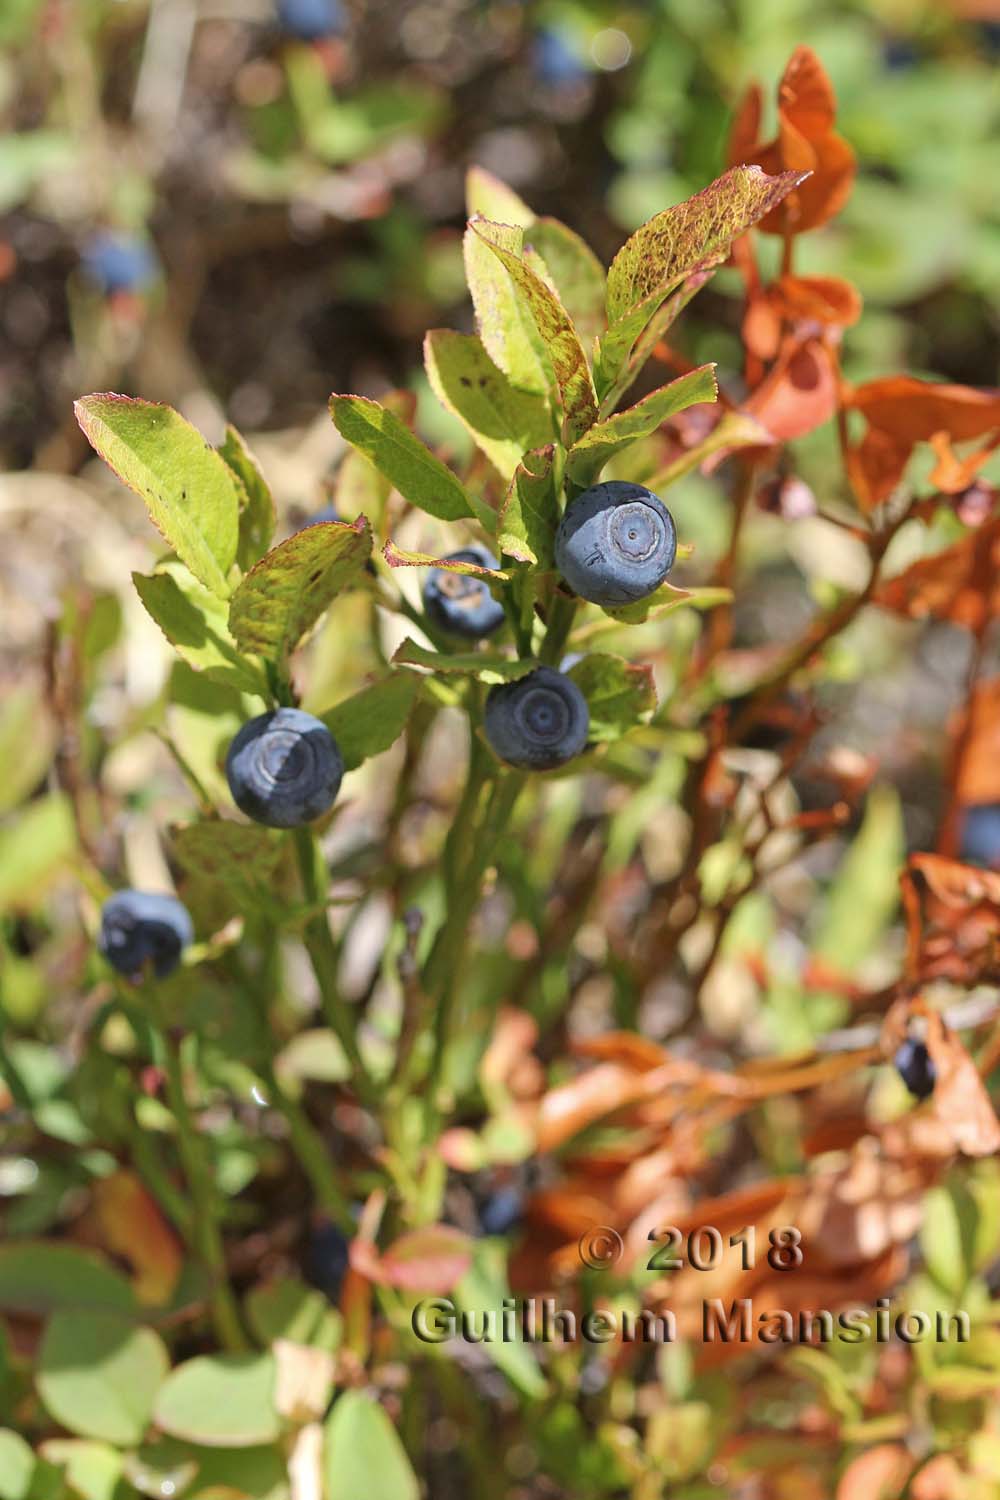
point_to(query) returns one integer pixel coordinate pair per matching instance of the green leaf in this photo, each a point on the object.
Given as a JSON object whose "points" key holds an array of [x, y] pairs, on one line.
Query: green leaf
{"points": [[655, 607], [577, 274], [241, 857], [618, 694], [597, 447], [169, 1467], [196, 623], [373, 719], [221, 1401], [363, 1455], [529, 515], [569, 362], [505, 324], [503, 422], [482, 1290], [692, 235], [493, 199], [36, 846], [286, 592], [257, 514], [947, 1235], [404, 460], [40, 1278], [683, 242], [98, 1374], [865, 892], [285, 1309], [491, 669], [17, 1467], [189, 490], [27, 740], [93, 1470]]}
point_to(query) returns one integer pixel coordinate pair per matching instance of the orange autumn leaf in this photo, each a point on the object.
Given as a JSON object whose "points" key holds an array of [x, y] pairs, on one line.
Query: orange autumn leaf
{"points": [[806, 142], [132, 1226], [979, 771], [744, 132], [799, 393], [959, 1100], [879, 1474], [822, 299], [952, 474], [959, 584], [912, 410]]}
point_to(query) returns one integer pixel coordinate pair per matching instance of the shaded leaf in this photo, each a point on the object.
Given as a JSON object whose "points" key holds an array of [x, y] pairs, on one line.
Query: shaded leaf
{"points": [[490, 669], [242, 858], [482, 1290], [605, 439], [286, 592], [98, 1374], [373, 719], [41, 1278], [189, 491], [404, 460], [93, 1470], [529, 515], [569, 362], [17, 1467], [257, 514], [617, 694], [196, 623], [220, 1401], [363, 1455], [504, 422]]}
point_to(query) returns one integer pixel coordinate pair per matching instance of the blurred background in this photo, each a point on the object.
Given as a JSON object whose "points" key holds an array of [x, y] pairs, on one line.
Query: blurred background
{"points": [[244, 204]]}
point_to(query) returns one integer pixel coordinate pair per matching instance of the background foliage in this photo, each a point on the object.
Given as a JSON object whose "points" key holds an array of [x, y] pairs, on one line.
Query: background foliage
{"points": [[648, 1006]]}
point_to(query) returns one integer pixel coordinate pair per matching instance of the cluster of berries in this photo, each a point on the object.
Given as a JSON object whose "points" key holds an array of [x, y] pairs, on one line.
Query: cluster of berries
{"points": [[615, 545]]}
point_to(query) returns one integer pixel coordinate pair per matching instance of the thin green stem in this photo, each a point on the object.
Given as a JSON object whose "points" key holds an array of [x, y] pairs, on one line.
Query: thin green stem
{"points": [[198, 1170]]}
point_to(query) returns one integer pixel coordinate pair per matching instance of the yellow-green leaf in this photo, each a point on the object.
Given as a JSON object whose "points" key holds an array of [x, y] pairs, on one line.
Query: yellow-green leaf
{"points": [[597, 447], [189, 491], [287, 591], [504, 422], [196, 623], [529, 515], [411, 467], [373, 719]]}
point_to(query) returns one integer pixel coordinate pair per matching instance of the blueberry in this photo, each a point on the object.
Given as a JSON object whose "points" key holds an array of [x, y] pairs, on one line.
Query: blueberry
{"points": [[538, 722], [616, 543], [328, 513], [284, 768], [555, 61], [311, 20], [140, 928], [461, 603], [502, 1211], [118, 262], [326, 1260], [980, 838], [915, 1067]]}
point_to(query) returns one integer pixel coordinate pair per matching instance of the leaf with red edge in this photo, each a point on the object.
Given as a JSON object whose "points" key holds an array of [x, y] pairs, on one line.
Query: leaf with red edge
{"points": [[397, 558], [433, 1259]]}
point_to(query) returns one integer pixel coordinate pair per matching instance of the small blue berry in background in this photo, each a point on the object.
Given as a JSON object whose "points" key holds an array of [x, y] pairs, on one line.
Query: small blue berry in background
{"points": [[979, 842], [141, 929], [311, 20], [554, 60], [914, 1065], [284, 768], [539, 722], [327, 513], [502, 1211], [327, 1258], [615, 544], [461, 603], [119, 262]]}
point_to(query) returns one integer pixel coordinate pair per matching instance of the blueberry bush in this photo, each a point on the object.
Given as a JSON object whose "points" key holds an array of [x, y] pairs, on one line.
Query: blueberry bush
{"points": [[505, 860]]}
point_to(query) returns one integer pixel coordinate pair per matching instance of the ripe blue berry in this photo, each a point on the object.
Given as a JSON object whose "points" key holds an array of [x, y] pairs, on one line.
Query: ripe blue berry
{"points": [[284, 768], [328, 513], [310, 20], [461, 603], [539, 722], [118, 262], [915, 1067], [616, 543], [327, 1257], [143, 928], [555, 62], [980, 837], [502, 1211]]}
